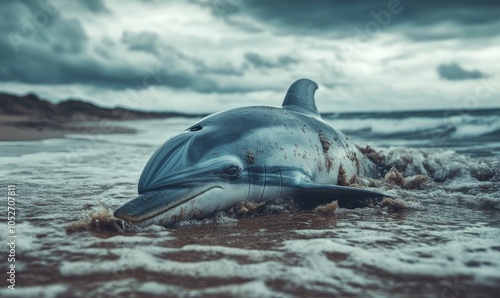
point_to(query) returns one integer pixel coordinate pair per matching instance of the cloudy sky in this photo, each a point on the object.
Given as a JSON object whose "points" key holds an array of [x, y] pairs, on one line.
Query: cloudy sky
{"points": [[207, 55]]}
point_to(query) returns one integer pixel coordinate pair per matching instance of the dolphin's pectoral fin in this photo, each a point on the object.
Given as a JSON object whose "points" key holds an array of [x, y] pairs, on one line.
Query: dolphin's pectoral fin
{"points": [[347, 197], [300, 97]]}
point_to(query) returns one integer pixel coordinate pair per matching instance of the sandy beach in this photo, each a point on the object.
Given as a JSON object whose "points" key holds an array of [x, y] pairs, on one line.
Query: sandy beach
{"points": [[28, 118], [446, 244], [23, 128]]}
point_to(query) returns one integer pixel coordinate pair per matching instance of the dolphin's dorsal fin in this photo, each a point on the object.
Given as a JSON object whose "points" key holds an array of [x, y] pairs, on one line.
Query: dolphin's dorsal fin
{"points": [[300, 97]]}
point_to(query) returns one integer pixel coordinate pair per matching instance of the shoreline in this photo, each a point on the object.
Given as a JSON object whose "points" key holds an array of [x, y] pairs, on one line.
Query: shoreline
{"points": [[21, 128], [30, 118]]}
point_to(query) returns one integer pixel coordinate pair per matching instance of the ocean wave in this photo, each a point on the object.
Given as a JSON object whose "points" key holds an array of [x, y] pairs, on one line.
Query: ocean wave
{"points": [[279, 252], [454, 178], [453, 127], [439, 165]]}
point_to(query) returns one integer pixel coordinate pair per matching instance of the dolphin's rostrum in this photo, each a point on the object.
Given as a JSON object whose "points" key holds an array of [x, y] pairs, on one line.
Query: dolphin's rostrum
{"points": [[257, 153]]}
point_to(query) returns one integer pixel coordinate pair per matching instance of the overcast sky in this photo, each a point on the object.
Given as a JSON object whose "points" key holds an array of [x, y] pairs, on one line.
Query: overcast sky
{"points": [[208, 55]]}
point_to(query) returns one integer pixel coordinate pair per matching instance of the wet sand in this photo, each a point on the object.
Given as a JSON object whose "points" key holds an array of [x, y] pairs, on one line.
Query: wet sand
{"points": [[449, 248], [28, 118], [25, 128]]}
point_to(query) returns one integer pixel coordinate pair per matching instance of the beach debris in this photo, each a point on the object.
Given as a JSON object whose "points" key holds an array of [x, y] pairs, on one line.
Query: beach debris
{"points": [[100, 222], [327, 208], [395, 177], [376, 157], [244, 208], [398, 204]]}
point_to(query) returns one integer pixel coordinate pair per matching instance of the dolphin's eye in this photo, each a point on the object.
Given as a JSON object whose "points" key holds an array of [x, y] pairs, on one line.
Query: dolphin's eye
{"points": [[196, 128], [232, 171]]}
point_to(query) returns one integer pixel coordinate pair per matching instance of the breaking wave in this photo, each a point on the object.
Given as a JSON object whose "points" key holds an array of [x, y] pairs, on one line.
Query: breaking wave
{"points": [[427, 129]]}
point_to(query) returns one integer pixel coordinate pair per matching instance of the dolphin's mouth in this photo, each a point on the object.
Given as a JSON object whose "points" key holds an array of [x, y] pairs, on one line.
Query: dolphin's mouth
{"points": [[152, 204]]}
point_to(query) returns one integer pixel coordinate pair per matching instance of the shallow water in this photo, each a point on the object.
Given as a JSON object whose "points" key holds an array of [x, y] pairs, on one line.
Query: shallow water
{"points": [[448, 245]]}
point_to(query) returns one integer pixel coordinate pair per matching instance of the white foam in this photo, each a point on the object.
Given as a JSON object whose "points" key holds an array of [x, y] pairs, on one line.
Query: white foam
{"points": [[246, 289], [156, 288], [48, 291], [445, 260], [475, 128], [461, 125], [223, 269], [387, 126], [335, 262], [255, 254]]}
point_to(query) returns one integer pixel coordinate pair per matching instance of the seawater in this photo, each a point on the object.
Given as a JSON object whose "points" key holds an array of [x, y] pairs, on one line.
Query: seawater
{"points": [[446, 243]]}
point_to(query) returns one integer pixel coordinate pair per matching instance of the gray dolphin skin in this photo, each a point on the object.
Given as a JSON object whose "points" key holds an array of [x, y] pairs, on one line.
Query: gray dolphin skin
{"points": [[256, 153]]}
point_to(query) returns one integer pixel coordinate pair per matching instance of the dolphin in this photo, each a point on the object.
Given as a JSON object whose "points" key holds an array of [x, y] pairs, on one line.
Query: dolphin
{"points": [[255, 153]]}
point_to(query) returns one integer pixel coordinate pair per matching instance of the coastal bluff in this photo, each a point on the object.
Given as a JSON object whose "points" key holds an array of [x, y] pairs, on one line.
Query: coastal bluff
{"points": [[30, 117]]}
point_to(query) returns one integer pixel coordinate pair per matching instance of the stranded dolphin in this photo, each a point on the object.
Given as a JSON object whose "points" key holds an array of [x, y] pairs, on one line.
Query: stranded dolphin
{"points": [[256, 153]]}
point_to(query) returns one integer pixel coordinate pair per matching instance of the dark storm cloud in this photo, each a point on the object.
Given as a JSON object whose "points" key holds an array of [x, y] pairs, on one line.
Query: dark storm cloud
{"points": [[52, 6], [141, 41], [23, 26], [68, 37], [43, 64], [454, 72], [44, 42], [221, 68], [338, 18], [260, 61], [149, 42], [40, 46], [95, 5]]}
